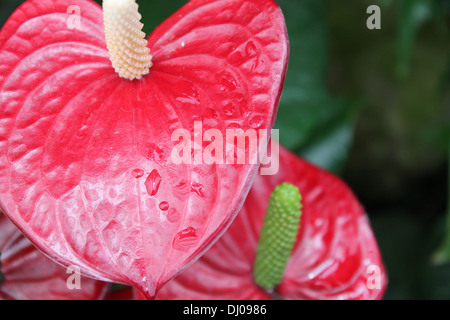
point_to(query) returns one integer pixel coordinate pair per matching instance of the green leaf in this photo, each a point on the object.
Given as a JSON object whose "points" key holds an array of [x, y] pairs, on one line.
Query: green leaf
{"points": [[304, 92], [7, 7], [156, 11], [329, 143], [413, 13], [442, 255], [314, 124]]}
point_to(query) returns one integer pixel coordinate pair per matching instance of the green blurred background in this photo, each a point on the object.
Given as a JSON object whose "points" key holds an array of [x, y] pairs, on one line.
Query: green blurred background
{"points": [[373, 106]]}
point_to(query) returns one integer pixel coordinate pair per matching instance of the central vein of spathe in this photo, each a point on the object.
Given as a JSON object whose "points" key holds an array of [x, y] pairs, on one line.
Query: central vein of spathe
{"points": [[125, 39]]}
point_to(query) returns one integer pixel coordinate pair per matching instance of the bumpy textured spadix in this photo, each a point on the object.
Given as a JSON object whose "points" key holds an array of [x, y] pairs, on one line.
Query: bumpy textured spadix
{"points": [[125, 39], [278, 235], [85, 155]]}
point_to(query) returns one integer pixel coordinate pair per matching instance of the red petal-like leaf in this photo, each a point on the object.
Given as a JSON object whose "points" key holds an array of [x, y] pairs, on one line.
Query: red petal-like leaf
{"points": [[85, 166], [335, 257], [29, 275]]}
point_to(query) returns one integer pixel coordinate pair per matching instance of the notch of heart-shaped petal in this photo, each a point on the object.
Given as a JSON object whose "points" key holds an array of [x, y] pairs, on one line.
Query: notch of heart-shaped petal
{"points": [[85, 154]]}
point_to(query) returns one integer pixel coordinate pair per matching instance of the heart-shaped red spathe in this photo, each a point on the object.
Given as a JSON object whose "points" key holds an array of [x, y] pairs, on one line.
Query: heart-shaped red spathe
{"points": [[29, 275], [336, 255], [85, 156]]}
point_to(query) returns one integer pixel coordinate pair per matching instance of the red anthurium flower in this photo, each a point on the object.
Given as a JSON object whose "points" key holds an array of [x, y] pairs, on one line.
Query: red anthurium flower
{"points": [[335, 255], [26, 274], [86, 132]]}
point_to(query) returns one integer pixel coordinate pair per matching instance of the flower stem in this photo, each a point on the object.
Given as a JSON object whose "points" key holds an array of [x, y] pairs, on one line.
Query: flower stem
{"points": [[278, 235]]}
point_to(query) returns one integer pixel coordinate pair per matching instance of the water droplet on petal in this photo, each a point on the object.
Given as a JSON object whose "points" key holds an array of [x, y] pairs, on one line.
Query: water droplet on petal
{"points": [[137, 173], [260, 65], [155, 152], [152, 182], [164, 206], [229, 109], [198, 189], [250, 48], [256, 122], [245, 109], [185, 238], [181, 185], [234, 126], [210, 118], [181, 189], [190, 96], [227, 82]]}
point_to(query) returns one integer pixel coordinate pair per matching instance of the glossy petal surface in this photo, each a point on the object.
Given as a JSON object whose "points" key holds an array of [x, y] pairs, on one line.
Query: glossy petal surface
{"points": [[330, 260], [85, 166], [29, 275]]}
